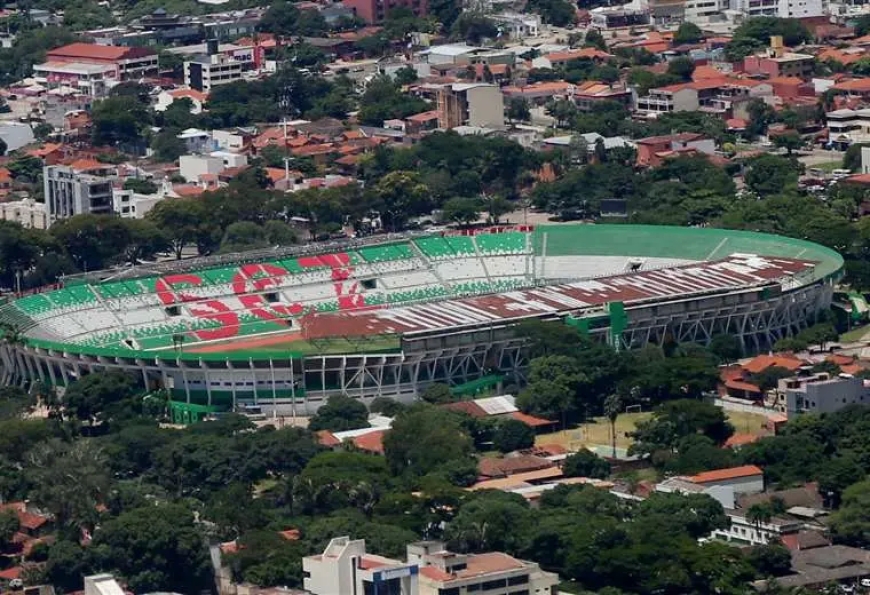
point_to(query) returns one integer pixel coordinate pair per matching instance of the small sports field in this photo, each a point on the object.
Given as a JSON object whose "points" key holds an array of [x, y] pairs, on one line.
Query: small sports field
{"points": [[597, 432]]}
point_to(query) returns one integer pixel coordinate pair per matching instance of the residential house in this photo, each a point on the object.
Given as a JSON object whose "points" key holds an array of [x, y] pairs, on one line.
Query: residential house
{"points": [[591, 93], [747, 479], [166, 98], [819, 393], [541, 92], [653, 150]]}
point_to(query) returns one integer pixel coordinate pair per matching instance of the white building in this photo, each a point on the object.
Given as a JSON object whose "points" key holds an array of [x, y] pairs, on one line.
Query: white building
{"points": [[206, 72], [746, 479], [27, 212], [191, 167], [93, 80], [197, 141], [132, 205], [518, 26], [345, 568], [102, 584], [230, 159], [80, 188], [450, 54], [780, 8]]}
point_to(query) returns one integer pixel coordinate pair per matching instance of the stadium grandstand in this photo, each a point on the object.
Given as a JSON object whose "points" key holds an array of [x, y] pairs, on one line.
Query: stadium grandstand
{"points": [[282, 330]]}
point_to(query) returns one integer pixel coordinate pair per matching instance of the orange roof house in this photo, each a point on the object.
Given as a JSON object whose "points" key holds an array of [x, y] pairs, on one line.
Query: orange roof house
{"points": [[731, 474], [780, 360]]}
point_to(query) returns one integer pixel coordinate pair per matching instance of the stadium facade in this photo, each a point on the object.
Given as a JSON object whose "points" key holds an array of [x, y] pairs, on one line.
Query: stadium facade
{"points": [[284, 330]]}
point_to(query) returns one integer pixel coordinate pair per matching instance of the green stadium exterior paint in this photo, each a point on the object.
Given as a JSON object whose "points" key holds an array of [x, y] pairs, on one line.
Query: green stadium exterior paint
{"points": [[300, 375]]}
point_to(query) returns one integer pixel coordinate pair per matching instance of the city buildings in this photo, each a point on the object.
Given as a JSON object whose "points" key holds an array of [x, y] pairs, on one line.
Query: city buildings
{"points": [[84, 186], [345, 567], [203, 72], [126, 63], [470, 104]]}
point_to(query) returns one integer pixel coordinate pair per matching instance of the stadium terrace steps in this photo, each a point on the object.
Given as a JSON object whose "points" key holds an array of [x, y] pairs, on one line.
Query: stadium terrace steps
{"points": [[404, 272]]}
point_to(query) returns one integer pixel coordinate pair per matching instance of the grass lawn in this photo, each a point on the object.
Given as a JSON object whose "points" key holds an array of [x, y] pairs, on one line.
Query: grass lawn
{"points": [[856, 334], [598, 431], [828, 166]]}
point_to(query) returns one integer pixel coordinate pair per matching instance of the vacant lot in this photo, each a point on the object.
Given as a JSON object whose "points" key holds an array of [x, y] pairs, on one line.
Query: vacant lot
{"points": [[597, 432]]}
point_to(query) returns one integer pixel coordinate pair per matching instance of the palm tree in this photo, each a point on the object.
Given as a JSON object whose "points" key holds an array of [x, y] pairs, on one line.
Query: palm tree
{"points": [[612, 409]]}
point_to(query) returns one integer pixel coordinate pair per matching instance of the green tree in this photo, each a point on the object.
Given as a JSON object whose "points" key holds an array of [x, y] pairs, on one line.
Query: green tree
{"points": [[790, 141], [511, 435], [119, 119], [167, 146], [461, 211], [771, 174], [340, 413], [676, 420], [688, 33], [437, 394], [155, 548], [518, 110], [244, 235], [184, 221], [398, 196], [491, 521], [585, 463], [726, 348], [99, 397], [770, 560], [681, 67], [92, 241], [406, 75], [426, 440], [554, 382]]}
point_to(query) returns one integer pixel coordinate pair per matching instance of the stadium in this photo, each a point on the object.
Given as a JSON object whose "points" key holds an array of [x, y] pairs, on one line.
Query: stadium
{"points": [[282, 330]]}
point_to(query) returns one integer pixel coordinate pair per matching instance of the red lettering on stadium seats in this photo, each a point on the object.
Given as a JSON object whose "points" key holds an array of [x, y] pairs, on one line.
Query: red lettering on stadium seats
{"points": [[256, 304], [215, 310]]}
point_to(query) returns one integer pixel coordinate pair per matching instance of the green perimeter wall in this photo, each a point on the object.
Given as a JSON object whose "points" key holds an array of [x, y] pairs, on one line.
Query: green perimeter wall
{"points": [[651, 241]]}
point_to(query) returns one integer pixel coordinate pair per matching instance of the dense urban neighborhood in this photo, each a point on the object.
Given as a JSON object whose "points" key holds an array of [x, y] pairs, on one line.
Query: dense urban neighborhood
{"points": [[434, 297]]}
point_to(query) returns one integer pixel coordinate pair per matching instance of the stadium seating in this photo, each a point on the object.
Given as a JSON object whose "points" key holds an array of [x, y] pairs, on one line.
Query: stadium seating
{"points": [[508, 242], [386, 252]]}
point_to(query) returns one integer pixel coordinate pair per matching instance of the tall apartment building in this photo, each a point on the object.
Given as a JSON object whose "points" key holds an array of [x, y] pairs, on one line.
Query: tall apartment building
{"points": [[82, 187], [470, 104], [345, 568], [204, 72]]}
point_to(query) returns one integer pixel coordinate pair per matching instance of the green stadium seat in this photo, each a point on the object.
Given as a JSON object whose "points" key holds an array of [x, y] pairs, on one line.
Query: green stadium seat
{"points": [[508, 242]]}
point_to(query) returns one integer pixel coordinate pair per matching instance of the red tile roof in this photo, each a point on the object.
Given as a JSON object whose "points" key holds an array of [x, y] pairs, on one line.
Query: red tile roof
{"points": [[11, 573], [88, 165], [859, 85], [780, 360], [531, 420], [368, 563], [741, 440], [726, 474], [372, 442], [326, 438], [591, 53], [189, 93], [97, 52]]}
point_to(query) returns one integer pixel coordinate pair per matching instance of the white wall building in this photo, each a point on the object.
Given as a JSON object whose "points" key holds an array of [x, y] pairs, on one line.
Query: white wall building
{"points": [[779, 8], [27, 212], [75, 190], [345, 568], [191, 167], [132, 205]]}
